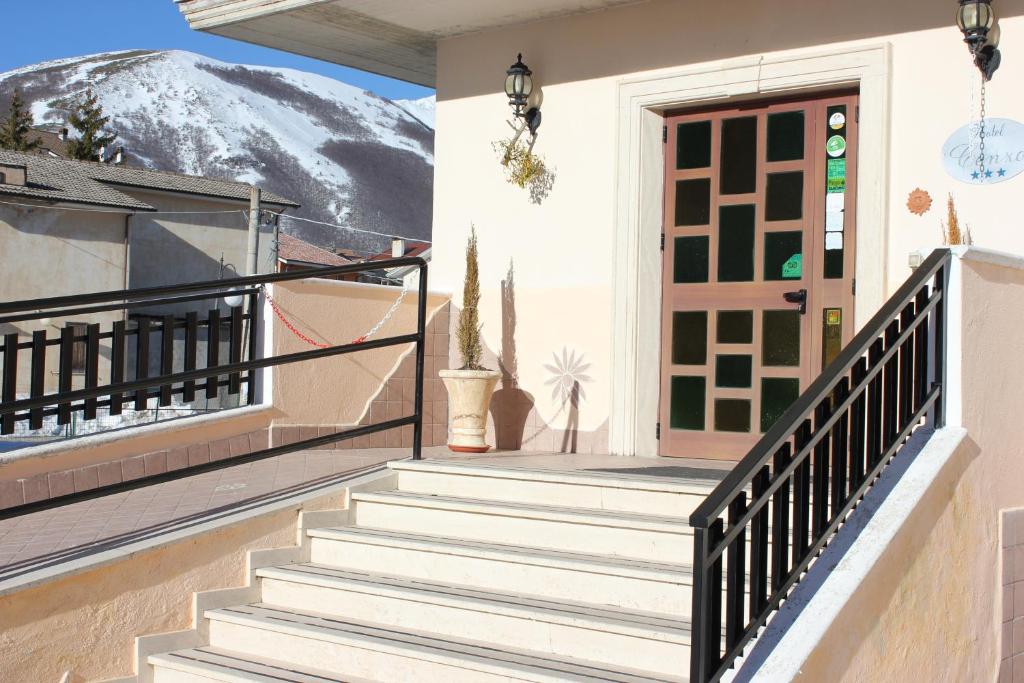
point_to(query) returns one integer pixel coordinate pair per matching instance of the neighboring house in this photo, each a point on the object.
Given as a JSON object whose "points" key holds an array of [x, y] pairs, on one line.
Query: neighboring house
{"points": [[407, 276], [296, 254], [71, 227], [52, 142]]}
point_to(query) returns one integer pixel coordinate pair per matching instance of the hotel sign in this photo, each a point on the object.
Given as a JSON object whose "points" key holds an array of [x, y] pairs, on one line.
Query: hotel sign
{"points": [[1004, 152]]}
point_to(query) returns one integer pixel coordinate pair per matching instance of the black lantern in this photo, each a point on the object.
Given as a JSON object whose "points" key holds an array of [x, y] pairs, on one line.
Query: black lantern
{"points": [[977, 21], [518, 87]]}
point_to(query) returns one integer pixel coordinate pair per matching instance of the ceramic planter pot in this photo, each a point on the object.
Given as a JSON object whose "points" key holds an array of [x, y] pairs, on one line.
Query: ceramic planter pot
{"points": [[469, 398]]}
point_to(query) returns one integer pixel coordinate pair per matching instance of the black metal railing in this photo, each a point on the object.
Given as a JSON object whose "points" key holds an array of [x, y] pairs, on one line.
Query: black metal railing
{"points": [[761, 528], [165, 370]]}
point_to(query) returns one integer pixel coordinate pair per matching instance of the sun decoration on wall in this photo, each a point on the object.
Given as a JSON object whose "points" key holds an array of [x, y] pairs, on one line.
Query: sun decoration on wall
{"points": [[919, 202], [568, 375]]}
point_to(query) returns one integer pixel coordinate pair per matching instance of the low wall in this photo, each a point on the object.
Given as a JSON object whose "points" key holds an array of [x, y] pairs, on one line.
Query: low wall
{"points": [[86, 621], [309, 399]]}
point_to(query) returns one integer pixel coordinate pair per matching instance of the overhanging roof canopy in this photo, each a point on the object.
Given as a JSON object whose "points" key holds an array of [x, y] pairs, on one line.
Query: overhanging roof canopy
{"points": [[396, 38]]}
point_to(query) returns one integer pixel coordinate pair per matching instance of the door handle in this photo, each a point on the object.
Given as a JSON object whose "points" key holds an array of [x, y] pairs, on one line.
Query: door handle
{"points": [[797, 297]]}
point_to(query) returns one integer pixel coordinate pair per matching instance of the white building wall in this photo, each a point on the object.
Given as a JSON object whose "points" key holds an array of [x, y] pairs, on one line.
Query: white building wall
{"points": [[562, 248]]}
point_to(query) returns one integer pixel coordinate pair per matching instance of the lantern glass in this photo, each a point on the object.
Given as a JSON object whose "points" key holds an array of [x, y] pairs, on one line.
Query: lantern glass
{"points": [[526, 85], [975, 16]]}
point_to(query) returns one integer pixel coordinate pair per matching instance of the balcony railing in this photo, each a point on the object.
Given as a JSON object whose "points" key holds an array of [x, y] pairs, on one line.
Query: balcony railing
{"points": [[812, 468], [151, 375]]}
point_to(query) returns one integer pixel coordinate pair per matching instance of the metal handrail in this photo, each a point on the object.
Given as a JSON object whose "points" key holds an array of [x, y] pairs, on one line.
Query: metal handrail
{"points": [[896, 341], [63, 400]]}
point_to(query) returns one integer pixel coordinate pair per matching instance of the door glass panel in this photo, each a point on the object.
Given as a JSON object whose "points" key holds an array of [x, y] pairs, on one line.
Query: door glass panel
{"points": [[693, 202], [691, 259], [732, 415], [733, 371], [786, 136], [784, 196], [688, 403], [689, 337], [777, 395], [736, 243], [739, 156], [780, 344], [783, 255], [693, 145], [735, 327]]}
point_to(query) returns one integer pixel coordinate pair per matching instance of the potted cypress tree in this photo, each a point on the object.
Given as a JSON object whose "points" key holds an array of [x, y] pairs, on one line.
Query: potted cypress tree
{"points": [[470, 387]]}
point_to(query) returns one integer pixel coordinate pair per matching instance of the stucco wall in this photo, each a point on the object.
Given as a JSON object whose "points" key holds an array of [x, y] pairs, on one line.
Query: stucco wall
{"points": [[562, 248], [169, 248], [55, 253], [87, 622], [933, 606], [337, 390]]}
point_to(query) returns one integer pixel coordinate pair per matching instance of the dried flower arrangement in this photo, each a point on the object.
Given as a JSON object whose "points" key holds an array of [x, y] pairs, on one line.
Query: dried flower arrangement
{"points": [[952, 233]]}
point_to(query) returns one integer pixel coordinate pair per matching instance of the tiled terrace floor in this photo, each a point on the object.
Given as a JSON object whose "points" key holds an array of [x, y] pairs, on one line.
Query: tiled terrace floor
{"points": [[77, 530]]}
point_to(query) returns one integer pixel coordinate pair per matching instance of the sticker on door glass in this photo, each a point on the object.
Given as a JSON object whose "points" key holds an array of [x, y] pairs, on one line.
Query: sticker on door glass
{"points": [[833, 241], [837, 120], [836, 173], [793, 268], [836, 146], [833, 316]]}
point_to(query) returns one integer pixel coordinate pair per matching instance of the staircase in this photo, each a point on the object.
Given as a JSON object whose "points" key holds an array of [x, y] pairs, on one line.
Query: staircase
{"points": [[467, 572]]}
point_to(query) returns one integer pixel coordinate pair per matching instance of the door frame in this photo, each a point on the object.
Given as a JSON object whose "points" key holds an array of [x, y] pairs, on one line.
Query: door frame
{"points": [[637, 267]]}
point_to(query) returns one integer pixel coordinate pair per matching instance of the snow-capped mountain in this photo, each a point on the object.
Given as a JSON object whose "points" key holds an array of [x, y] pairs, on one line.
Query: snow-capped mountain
{"points": [[350, 157]]}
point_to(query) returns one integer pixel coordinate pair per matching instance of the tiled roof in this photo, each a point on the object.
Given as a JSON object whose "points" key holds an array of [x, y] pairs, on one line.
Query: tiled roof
{"points": [[412, 248], [291, 248], [87, 182], [52, 145]]}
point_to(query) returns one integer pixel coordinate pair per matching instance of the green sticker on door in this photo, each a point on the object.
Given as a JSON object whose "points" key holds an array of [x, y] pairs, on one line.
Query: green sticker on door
{"points": [[836, 175], [793, 268], [836, 146]]}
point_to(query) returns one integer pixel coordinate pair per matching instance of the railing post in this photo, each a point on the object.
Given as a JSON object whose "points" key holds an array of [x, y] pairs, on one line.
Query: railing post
{"points": [[699, 617], [421, 331], [938, 417]]}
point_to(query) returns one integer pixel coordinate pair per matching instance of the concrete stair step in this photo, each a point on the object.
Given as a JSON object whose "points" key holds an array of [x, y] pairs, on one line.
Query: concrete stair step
{"points": [[542, 572], [599, 532], [611, 491], [205, 664], [615, 637], [358, 649]]}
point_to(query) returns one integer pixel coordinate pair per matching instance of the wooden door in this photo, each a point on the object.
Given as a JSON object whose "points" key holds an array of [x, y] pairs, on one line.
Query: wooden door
{"points": [[758, 225]]}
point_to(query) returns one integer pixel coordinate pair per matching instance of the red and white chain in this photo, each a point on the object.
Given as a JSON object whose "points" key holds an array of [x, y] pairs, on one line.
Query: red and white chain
{"points": [[312, 342]]}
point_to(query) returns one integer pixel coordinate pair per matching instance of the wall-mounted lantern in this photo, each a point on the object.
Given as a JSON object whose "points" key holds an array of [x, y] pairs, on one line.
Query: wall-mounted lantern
{"points": [[977, 21], [518, 87]]}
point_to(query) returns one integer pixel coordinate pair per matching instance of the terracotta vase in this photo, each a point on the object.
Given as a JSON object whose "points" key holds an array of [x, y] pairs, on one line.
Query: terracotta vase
{"points": [[469, 398]]}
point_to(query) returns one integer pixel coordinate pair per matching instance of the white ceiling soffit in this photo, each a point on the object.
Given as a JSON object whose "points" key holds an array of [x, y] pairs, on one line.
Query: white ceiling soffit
{"points": [[396, 38]]}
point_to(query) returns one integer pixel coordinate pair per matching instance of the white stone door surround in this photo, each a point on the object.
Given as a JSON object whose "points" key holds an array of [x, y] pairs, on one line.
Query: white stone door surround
{"points": [[637, 268]]}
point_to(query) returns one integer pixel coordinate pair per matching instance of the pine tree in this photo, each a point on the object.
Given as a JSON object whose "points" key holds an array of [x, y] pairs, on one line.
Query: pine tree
{"points": [[468, 331], [87, 118], [16, 127]]}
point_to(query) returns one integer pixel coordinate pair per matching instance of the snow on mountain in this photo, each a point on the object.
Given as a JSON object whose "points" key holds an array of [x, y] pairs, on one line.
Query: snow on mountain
{"points": [[350, 157], [423, 108]]}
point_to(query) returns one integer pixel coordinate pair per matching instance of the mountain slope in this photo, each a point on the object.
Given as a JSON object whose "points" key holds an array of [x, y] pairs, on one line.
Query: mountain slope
{"points": [[349, 157]]}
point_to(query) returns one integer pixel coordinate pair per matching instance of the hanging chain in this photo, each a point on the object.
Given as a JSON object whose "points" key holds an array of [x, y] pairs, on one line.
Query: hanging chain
{"points": [[981, 134], [312, 342]]}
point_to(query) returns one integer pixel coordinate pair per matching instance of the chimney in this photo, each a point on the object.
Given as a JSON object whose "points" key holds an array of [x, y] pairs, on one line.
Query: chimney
{"points": [[118, 156], [63, 134], [397, 248], [13, 174]]}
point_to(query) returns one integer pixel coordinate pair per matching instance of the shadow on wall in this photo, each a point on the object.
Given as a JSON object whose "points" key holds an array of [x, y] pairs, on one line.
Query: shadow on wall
{"points": [[512, 408], [510, 405], [602, 44]]}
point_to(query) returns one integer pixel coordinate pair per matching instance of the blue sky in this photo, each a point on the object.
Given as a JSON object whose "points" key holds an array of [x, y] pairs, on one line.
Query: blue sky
{"points": [[52, 29]]}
